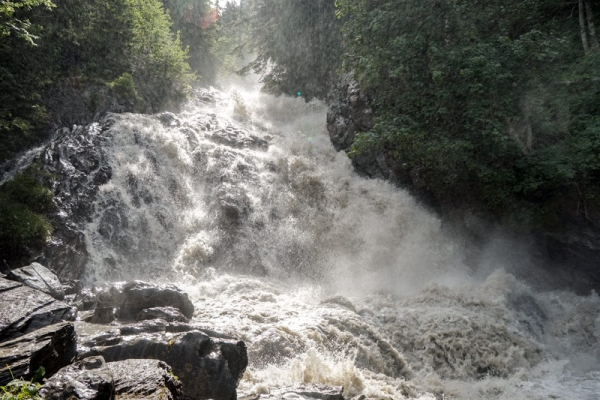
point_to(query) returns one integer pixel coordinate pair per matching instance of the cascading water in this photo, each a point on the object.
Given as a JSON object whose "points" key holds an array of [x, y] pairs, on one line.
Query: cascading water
{"points": [[326, 276]]}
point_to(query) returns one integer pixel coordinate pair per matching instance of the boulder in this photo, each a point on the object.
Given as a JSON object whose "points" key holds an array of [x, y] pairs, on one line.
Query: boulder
{"points": [[51, 347], [24, 310], [38, 277], [130, 298], [145, 379], [209, 367], [88, 379]]}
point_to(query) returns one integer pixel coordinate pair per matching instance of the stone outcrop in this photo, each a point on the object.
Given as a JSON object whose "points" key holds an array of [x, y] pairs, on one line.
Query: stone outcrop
{"points": [[51, 347], [350, 114], [24, 310], [145, 379], [129, 299], [94, 379], [209, 367], [88, 379], [38, 277]]}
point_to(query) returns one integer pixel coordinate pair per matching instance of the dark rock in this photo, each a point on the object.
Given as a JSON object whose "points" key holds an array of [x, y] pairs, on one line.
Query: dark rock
{"points": [[130, 298], [51, 347], [209, 367], [39, 277], [169, 314], [24, 310], [313, 391], [103, 315], [88, 379], [350, 114], [145, 379]]}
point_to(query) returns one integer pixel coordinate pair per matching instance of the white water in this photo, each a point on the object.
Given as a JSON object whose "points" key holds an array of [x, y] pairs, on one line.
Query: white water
{"points": [[326, 276]]}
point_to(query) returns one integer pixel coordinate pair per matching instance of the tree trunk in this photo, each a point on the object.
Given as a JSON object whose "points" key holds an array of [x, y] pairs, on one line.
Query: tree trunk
{"points": [[591, 25], [586, 48]]}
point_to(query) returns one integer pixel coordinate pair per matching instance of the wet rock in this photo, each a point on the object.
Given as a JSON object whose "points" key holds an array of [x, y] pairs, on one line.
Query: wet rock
{"points": [[39, 277], [313, 391], [103, 315], [238, 139], [209, 367], [76, 156], [88, 379], [130, 298], [51, 347], [145, 379], [168, 119], [24, 310], [350, 114], [169, 314]]}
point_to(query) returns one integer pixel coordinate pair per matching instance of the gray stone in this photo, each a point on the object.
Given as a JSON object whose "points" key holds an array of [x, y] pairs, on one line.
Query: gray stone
{"points": [[88, 379], [51, 347], [145, 379], [130, 298], [24, 310], [38, 277], [209, 367]]}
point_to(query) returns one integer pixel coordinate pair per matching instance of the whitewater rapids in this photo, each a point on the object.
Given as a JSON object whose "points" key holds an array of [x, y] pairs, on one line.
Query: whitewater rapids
{"points": [[328, 277]]}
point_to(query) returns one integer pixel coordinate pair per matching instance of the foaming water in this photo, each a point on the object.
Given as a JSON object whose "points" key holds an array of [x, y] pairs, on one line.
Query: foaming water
{"points": [[326, 276]]}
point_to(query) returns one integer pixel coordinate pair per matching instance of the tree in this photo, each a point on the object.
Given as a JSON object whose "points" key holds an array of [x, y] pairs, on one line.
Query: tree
{"points": [[297, 44], [489, 102]]}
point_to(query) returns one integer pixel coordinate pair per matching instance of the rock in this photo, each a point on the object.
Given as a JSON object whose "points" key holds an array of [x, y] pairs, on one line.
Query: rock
{"points": [[103, 315], [24, 310], [145, 379], [312, 391], [51, 347], [39, 277], [130, 298], [88, 379], [209, 367], [169, 314], [350, 114]]}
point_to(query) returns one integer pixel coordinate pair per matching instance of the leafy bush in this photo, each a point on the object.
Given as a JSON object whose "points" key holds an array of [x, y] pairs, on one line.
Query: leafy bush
{"points": [[493, 103], [124, 86], [19, 389], [22, 225]]}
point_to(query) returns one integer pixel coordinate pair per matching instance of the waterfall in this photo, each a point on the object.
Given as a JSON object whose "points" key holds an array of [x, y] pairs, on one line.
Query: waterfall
{"points": [[328, 277]]}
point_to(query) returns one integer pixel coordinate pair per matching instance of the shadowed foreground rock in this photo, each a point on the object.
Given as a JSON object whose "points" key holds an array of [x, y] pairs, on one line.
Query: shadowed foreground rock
{"points": [[209, 367], [24, 310], [88, 379], [145, 379], [51, 347], [130, 298]]}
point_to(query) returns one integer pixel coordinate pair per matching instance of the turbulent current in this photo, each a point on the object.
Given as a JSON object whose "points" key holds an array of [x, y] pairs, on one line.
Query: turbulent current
{"points": [[328, 277]]}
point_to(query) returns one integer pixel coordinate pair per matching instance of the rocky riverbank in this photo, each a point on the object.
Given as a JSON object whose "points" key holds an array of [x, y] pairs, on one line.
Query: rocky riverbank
{"points": [[95, 344]]}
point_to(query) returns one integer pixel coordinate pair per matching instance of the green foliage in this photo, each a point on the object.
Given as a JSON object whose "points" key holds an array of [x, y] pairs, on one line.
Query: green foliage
{"points": [[12, 22], [158, 62], [83, 41], [196, 22], [124, 86], [23, 201], [19, 389], [491, 102], [297, 45]]}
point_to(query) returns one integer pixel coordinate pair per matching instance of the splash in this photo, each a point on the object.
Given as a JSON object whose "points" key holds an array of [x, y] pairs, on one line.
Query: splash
{"points": [[326, 276]]}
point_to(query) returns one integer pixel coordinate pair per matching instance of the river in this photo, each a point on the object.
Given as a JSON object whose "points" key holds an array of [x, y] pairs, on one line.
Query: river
{"points": [[328, 277]]}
